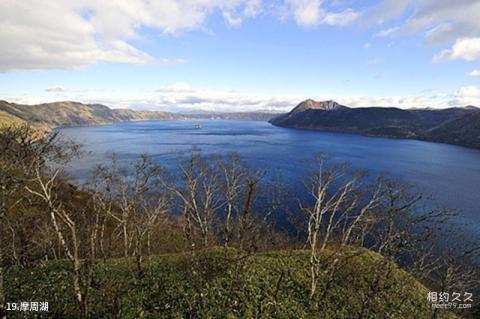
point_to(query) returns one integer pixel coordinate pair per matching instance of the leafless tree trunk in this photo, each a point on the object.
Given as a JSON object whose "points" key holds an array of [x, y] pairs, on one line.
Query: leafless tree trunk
{"points": [[67, 232], [199, 198], [233, 175], [340, 207], [320, 185], [133, 200], [246, 218]]}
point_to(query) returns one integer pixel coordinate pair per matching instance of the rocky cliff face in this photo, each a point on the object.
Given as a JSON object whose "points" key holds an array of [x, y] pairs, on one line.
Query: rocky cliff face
{"points": [[308, 105], [314, 105]]}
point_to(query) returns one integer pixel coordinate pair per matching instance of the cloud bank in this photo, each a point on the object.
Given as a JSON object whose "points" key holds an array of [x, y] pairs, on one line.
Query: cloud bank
{"points": [[182, 96], [59, 34], [447, 22]]}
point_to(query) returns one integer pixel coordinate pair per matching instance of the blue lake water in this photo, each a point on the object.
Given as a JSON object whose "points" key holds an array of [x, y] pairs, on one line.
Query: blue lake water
{"points": [[450, 173]]}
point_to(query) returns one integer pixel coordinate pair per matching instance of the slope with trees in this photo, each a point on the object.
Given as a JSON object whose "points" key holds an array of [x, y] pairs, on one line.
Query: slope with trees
{"points": [[202, 241], [458, 126]]}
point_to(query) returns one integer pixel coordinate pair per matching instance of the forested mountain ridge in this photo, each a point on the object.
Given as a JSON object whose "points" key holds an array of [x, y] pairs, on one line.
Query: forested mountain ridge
{"points": [[458, 126]]}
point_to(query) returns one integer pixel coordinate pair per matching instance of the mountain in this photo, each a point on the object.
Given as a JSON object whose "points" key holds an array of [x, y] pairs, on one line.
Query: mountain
{"points": [[464, 131], [314, 105], [49, 115], [246, 116], [8, 119], [458, 126]]}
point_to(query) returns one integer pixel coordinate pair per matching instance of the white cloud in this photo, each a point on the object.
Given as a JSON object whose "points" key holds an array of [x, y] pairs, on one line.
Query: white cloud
{"points": [[443, 22], [306, 12], [182, 96], [252, 8], [387, 32], [180, 87], [465, 48], [387, 10], [56, 89], [468, 95], [185, 97], [342, 18], [59, 34], [474, 73], [439, 33], [310, 13], [45, 34], [231, 19], [235, 17], [468, 91]]}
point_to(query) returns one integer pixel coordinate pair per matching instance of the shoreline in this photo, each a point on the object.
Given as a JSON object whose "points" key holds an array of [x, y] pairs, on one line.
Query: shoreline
{"points": [[326, 130]]}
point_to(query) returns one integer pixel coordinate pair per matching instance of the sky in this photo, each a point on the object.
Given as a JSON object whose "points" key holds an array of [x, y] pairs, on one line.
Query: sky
{"points": [[240, 55]]}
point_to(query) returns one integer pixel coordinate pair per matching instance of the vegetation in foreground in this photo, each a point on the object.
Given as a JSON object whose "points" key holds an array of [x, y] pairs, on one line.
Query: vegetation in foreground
{"points": [[140, 241], [223, 284]]}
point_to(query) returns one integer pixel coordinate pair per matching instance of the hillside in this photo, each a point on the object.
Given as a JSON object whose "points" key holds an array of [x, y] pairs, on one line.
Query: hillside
{"points": [[458, 126], [49, 115], [245, 116], [7, 119], [464, 131], [270, 285]]}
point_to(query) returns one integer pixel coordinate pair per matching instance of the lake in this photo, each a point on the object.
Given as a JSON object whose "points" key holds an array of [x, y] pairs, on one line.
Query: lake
{"points": [[450, 173]]}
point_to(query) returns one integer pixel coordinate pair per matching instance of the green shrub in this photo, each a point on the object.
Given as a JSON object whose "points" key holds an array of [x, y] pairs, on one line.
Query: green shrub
{"points": [[218, 285]]}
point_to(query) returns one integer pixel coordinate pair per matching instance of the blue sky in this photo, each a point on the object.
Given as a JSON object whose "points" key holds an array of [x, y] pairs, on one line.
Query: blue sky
{"points": [[241, 54]]}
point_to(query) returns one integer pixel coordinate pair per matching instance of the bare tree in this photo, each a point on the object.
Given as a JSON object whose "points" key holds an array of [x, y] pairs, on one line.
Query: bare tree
{"points": [[197, 190], [133, 199], [342, 204], [249, 199], [122, 209], [68, 232], [402, 231], [246, 219], [321, 185], [27, 154], [21, 150], [233, 175]]}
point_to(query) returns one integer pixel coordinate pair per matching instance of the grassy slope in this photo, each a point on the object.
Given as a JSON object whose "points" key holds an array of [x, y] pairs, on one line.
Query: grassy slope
{"points": [[7, 119], [271, 285]]}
